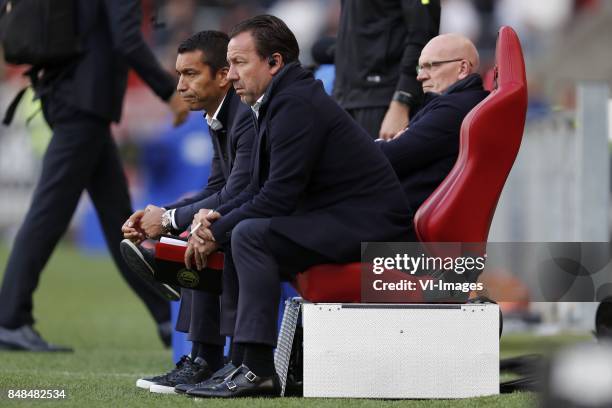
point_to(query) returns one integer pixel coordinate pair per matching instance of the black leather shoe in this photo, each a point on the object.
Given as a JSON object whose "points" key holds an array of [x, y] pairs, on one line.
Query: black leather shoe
{"points": [[241, 383], [217, 378], [142, 261], [25, 338]]}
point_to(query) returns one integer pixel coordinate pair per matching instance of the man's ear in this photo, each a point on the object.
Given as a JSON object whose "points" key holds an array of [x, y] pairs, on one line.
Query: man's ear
{"points": [[275, 63], [465, 69], [221, 77]]}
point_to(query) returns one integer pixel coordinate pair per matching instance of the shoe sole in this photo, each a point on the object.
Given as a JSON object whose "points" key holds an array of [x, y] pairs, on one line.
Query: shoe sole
{"points": [[144, 384], [12, 347], [254, 394], [161, 389], [136, 262]]}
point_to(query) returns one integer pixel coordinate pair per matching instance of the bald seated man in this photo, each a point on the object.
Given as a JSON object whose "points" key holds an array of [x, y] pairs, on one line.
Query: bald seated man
{"points": [[425, 152]]}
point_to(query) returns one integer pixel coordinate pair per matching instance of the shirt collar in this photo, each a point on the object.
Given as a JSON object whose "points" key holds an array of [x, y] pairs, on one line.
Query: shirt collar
{"points": [[257, 105], [213, 122]]}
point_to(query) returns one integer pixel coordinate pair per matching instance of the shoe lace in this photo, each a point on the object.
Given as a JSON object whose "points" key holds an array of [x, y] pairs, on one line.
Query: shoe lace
{"points": [[190, 369], [179, 366], [187, 369]]}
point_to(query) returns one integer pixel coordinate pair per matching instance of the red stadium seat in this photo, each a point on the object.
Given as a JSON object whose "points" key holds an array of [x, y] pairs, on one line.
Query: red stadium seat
{"points": [[324, 283], [461, 208]]}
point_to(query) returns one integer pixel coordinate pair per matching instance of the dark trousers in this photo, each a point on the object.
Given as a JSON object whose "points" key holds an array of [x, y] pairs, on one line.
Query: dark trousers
{"points": [[208, 318], [263, 260], [369, 118], [199, 317], [81, 156]]}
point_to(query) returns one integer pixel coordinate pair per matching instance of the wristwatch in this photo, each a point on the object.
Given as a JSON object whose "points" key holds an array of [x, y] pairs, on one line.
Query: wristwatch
{"points": [[166, 222], [405, 98]]}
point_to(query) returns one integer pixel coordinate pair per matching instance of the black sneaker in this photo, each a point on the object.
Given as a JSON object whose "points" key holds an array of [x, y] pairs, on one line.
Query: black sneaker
{"points": [[192, 371], [142, 261], [147, 382], [217, 378]]}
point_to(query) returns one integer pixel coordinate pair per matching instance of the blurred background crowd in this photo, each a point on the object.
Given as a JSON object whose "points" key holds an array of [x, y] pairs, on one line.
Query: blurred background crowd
{"points": [[564, 42]]}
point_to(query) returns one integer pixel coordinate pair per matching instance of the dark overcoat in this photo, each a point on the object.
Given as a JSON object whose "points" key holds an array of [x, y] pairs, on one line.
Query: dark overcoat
{"points": [[426, 152], [317, 175]]}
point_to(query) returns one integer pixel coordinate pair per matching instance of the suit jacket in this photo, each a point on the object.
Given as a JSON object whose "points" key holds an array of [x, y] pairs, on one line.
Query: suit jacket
{"points": [[317, 175], [426, 152], [230, 169], [112, 42]]}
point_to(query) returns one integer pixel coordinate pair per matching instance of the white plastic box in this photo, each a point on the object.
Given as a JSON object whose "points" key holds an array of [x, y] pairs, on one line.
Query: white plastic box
{"points": [[401, 351]]}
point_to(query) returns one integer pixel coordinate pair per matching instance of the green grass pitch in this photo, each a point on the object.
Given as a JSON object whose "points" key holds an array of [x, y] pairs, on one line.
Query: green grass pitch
{"points": [[83, 302]]}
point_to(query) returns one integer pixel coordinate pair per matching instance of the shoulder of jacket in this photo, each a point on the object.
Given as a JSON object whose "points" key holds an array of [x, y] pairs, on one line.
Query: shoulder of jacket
{"points": [[290, 96]]}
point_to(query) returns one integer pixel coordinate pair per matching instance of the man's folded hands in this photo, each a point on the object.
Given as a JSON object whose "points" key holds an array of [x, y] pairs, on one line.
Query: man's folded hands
{"points": [[201, 240]]}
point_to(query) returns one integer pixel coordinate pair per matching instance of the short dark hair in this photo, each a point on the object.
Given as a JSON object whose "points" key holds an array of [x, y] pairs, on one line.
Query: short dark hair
{"points": [[214, 46], [271, 35]]}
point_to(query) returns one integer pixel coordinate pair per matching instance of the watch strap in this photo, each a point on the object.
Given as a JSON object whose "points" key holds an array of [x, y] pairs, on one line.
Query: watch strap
{"points": [[403, 97]]}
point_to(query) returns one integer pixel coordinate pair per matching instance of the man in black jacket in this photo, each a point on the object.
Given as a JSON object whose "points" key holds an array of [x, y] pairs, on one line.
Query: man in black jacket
{"points": [[424, 154], [202, 67], [377, 49], [80, 99], [319, 188]]}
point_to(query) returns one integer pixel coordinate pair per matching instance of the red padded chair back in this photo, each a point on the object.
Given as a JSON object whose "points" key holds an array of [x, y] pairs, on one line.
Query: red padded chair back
{"points": [[488, 80], [462, 207]]}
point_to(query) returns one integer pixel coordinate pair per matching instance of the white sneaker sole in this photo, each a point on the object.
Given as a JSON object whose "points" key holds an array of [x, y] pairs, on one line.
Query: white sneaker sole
{"points": [[144, 384], [162, 389]]}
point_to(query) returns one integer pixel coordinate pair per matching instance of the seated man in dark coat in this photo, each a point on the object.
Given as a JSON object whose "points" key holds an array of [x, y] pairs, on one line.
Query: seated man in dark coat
{"points": [[319, 188], [424, 153], [202, 68]]}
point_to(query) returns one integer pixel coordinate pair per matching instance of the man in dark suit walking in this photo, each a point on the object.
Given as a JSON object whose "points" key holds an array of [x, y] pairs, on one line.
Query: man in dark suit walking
{"points": [[80, 99], [202, 68], [319, 188]]}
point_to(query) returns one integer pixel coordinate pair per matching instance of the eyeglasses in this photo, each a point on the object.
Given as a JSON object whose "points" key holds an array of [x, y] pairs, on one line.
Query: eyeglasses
{"points": [[427, 66]]}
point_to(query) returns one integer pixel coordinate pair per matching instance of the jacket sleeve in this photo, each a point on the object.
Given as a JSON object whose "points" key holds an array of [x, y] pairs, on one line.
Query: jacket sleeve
{"points": [[124, 18], [422, 20], [434, 136], [238, 179], [293, 141]]}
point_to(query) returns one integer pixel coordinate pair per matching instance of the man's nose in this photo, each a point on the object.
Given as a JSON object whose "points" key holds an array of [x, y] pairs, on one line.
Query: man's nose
{"points": [[422, 75], [232, 75], [181, 86]]}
